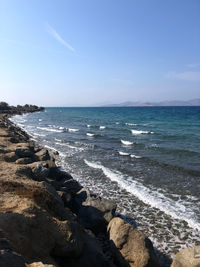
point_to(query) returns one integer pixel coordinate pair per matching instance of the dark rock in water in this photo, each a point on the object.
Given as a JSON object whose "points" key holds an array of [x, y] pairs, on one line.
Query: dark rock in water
{"points": [[56, 153], [9, 257], [24, 161], [130, 247], [42, 155]]}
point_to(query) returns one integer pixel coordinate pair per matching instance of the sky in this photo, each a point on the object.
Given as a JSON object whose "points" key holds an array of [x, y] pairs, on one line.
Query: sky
{"points": [[96, 52]]}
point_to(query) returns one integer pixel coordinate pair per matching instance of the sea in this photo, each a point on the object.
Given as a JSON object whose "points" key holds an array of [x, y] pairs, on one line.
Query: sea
{"points": [[147, 159]]}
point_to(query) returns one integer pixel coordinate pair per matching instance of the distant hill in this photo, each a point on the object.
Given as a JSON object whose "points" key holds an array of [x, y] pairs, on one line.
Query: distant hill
{"points": [[193, 102]]}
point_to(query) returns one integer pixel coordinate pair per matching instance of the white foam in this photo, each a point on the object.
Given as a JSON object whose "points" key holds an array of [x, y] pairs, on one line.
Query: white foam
{"points": [[59, 140], [123, 153], [90, 134], [88, 125], [126, 143], [131, 124], [50, 129], [136, 132], [37, 134], [150, 197], [72, 130], [134, 156], [102, 127], [52, 148], [40, 119], [61, 128], [117, 122]]}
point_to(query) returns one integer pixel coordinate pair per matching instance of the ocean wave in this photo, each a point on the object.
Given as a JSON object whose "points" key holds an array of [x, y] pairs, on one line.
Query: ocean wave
{"points": [[117, 122], [134, 156], [88, 125], [37, 134], [40, 119], [50, 129], [102, 127], [151, 197], [123, 153], [59, 140], [130, 124], [90, 134], [136, 132], [72, 130], [126, 143]]}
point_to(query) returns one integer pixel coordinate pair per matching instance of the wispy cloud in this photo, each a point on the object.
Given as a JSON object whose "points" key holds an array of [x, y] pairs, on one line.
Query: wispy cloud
{"points": [[57, 37], [193, 65], [193, 76]]}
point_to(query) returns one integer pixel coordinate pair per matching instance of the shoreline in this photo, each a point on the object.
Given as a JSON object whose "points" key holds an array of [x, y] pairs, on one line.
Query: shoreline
{"points": [[72, 202], [31, 172]]}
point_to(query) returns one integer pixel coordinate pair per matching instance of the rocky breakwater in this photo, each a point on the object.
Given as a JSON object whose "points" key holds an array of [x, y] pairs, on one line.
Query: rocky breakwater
{"points": [[48, 219]]}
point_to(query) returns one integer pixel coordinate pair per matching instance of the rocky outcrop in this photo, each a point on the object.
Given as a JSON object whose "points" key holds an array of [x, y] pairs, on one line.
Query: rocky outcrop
{"points": [[51, 220], [188, 257], [130, 247]]}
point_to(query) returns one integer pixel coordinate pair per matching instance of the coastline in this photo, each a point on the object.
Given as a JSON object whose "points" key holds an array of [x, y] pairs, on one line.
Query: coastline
{"points": [[33, 186], [95, 216]]}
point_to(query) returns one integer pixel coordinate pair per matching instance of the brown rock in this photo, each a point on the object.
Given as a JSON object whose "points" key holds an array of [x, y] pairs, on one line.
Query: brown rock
{"points": [[130, 247], [42, 155], [24, 161], [10, 157], [188, 257]]}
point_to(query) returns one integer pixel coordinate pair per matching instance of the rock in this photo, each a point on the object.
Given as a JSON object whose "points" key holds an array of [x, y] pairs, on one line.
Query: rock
{"points": [[188, 257], [91, 255], [9, 257], [24, 171], [10, 157], [71, 186], [24, 161], [130, 247], [40, 171], [37, 223], [42, 155], [40, 264], [23, 150], [96, 213]]}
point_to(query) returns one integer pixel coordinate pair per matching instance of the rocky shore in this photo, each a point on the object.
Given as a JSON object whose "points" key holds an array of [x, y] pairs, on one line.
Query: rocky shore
{"points": [[48, 219]]}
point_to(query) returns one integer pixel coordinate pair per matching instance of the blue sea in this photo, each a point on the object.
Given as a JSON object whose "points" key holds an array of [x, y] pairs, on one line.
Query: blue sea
{"points": [[145, 158]]}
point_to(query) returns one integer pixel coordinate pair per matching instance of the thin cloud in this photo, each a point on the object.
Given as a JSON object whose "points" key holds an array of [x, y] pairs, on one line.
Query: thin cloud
{"points": [[193, 66], [192, 76], [57, 37]]}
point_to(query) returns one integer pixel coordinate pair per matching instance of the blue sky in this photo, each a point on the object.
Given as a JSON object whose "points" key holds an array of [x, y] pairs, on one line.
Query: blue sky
{"points": [[90, 52]]}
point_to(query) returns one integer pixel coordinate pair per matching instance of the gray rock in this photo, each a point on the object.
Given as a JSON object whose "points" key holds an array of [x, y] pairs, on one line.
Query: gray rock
{"points": [[40, 172]]}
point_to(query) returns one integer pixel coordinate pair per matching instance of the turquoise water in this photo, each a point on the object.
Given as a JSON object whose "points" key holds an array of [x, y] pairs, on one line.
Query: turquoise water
{"points": [[146, 158]]}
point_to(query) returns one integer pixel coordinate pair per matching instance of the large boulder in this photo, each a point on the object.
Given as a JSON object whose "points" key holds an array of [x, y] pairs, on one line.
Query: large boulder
{"points": [[95, 213], [42, 155], [188, 257], [23, 150], [130, 247]]}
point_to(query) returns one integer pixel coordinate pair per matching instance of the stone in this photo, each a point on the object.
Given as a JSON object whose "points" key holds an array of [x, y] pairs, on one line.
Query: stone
{"points": [[24, 161], [95, 214], [42, 155], [39, 170], [8, 256], [130, 247], [23, 150], [188, 257], [40, 264], [71, 186], [10, 157]]}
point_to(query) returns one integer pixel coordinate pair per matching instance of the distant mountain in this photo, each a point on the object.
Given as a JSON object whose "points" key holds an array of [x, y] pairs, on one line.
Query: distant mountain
{"points": [[193, 102]]}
